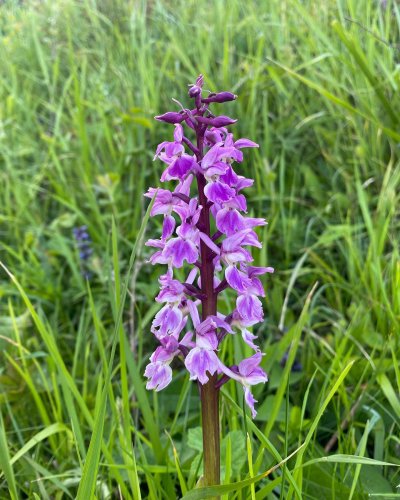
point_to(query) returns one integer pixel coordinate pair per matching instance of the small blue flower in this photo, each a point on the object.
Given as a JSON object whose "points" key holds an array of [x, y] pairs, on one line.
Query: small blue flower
{"points": [[83, 243]]}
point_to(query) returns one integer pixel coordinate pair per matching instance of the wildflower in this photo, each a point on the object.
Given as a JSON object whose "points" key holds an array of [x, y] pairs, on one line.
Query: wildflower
{"points": [[83, 243], [188, 325]]}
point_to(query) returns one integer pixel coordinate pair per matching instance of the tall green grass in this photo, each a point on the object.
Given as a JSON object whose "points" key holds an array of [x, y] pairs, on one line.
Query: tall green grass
{"points": [[318, 86]]}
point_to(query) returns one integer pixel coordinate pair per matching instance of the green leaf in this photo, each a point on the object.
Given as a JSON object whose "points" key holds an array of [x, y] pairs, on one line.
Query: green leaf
{"points": [[337, 100], [389, 392], [40, 436], [89, 475], [314, 424], [5, 462], [348, 459], [215, 491], [373, 480], [195, 439]]}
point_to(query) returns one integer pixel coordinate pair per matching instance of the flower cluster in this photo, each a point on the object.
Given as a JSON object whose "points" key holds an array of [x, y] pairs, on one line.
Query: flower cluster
{"points": [[84, 245], [204, 226]]}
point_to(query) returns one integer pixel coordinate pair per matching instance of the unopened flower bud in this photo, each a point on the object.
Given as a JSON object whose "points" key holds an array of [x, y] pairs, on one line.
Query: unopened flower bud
{"points": [[195, 89], [220, 97], [200, 81], [217, 121], [171, 117]]}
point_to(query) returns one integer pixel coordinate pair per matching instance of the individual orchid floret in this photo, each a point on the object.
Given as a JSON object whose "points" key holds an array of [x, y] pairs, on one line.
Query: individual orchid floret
{"points": [[248, 373], [202, 359], [173, 154], [158, 370], [172, 290], [205, 230], [168, 321]]}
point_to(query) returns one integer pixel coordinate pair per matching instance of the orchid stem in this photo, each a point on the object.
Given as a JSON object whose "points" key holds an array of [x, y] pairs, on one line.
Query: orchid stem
{"points": [[209, 393]]}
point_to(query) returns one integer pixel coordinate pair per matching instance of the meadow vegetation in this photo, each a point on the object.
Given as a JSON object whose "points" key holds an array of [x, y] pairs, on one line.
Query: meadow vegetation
{"points": [[318, 86]]}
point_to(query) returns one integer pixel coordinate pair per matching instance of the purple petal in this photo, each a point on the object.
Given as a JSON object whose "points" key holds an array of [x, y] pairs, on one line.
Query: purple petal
{"points": [[160, 147], [155, 243], [211, 156], [178, 133], [159, 375], [192, 275], [189, 232], [166, 321], [239, 255], [251, 239], [220, 323], [219, 168], [194, 313], [208, 341], [210, 324], [250, 308], [249, 398], [229, 221], [171, 290], [165, 354], [178, 250], [187, 340], [248, 337], [237, 155], [257, 271], [235, 240], [158, 258], [256, 287], [238, 320], [253, 222], [239, 202], [168, 227], [230, 177], [236, 279], [250, 371], [163, 201], [209, 242], [180, 167], [243, 183], [199, 362], [245, 143], [249, 364], [214, 135], [174, 149], [218, 192], [206, 326], [184, 186]]}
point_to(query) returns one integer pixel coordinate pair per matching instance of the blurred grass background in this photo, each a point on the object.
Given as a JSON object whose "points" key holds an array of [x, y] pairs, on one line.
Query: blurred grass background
{"points": [[318, 86]]}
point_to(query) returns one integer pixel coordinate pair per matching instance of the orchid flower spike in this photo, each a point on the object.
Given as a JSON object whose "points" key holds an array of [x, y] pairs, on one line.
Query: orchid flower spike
{"points": [[207, 194]]}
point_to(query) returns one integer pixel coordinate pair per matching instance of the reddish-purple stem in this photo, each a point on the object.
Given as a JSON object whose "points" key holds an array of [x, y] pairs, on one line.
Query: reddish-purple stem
{"points": [[209, 392]]}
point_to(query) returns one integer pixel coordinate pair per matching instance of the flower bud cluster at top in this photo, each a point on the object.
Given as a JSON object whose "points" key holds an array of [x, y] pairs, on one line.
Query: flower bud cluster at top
{"points": [[204, 227]]}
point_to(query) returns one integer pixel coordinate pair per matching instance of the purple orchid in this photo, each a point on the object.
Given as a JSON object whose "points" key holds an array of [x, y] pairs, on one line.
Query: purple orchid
{"points": [[218, 261], [248, 373]]}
